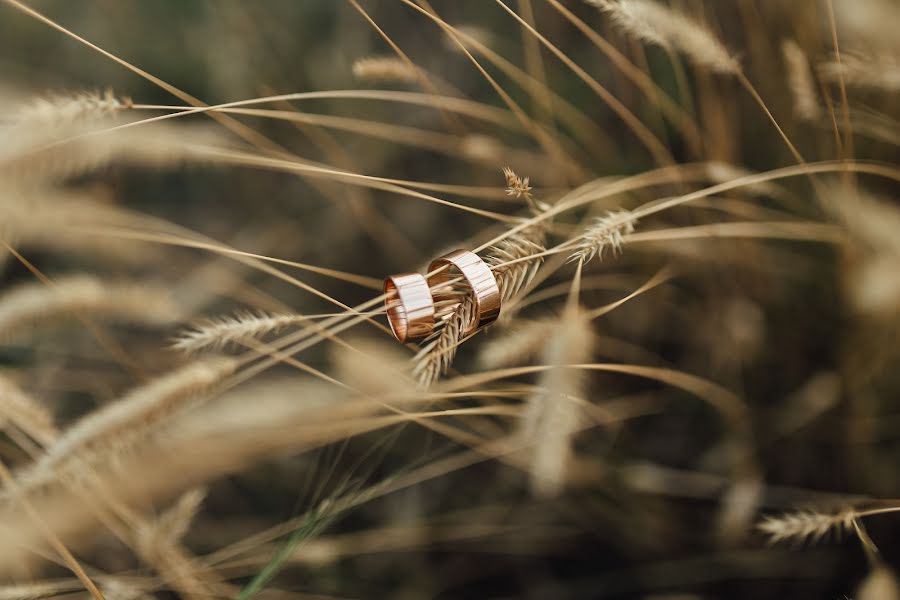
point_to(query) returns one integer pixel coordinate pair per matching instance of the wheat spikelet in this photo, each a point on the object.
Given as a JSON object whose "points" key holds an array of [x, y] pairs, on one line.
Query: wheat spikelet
{"points": [[141, 410], [806, 100], [383, 68], [175, 522], [552, 415], [157, 543], [25, 412], [879, 72], [666, 27], [216, 334], [606, 232], [59, 110], [515, 185], [438, 351], [525, 247], [187, 451], [809, 525], [35, 304], [519, 187]]}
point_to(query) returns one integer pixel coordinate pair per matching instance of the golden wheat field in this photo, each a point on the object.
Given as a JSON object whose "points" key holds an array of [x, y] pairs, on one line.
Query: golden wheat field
{"points": [[539, 299]]}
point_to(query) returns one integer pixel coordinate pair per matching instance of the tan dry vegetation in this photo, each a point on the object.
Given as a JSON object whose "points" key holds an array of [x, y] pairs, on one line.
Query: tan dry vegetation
{"points": [[691, 213]]}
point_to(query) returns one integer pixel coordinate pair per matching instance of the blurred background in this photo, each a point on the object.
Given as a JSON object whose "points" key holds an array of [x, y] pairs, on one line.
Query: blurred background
{"points": [[664, 493]]}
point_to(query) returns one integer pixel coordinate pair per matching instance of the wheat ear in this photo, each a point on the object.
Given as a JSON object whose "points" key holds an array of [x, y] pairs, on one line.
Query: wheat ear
{"points": [[56, 138], [140, 411], [383, 68], [808, 525], [437, 352], [33, 304], [666, 27], [800, 79], [877, 72], [553, 415], [606, 232], [216, 334]]}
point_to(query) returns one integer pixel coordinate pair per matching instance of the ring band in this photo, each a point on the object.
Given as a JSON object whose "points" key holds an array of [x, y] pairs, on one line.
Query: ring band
{"points": [[410, 307], [480, 279]]}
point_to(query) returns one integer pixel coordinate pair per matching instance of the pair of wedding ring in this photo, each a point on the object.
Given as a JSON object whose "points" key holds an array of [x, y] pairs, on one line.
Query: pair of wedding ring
{"points": [[410, 297]]}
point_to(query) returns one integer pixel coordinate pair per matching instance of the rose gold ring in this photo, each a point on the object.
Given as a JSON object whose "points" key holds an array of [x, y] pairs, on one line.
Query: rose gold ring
{"points": [[480, 279], [410, 308]]}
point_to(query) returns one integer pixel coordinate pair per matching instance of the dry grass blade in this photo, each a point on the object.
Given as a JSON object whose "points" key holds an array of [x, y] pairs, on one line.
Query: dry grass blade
{"points": [[661, 25], [553, 414], [36, 304], [606, 232], [722, 172]]}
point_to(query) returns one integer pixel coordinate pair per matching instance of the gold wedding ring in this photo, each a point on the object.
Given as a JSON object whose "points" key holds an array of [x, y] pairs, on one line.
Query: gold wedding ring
{"points": [[480, 279], [410, 308]]}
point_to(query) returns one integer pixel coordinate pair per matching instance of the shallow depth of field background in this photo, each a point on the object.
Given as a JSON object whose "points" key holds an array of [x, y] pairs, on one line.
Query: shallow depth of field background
{"points": [[804, 332]]}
